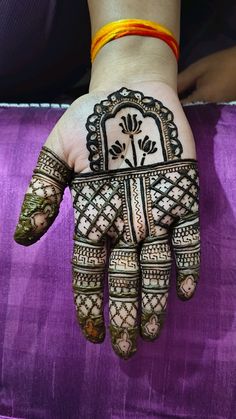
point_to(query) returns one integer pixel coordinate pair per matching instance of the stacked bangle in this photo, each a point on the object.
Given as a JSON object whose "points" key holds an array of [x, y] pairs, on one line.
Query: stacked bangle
{"points": [[125, 27]]}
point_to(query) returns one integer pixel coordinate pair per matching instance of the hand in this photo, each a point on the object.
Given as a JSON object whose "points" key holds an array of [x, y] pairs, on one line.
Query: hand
{"points": [[211, 79], [133, 181]]}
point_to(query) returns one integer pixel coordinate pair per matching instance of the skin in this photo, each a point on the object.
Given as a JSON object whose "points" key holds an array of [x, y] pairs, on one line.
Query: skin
{"points": [[140, 64], [148, 59], [211, 79]]}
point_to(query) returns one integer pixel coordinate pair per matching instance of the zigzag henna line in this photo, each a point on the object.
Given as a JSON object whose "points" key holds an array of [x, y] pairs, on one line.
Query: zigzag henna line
{"points": [[145, 206], [127, 229], [149, 208], [163, 207], [129, 211], [136, 207]]}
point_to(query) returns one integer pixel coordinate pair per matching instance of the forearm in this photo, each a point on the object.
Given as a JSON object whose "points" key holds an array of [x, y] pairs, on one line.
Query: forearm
{"points": [[149, 59]]}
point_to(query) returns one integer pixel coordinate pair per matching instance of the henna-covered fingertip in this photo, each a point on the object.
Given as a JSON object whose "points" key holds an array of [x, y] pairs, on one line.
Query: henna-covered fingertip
{"points": [[186, 285], [124, 341], [93, 328], [151, 324], [37, 215]]}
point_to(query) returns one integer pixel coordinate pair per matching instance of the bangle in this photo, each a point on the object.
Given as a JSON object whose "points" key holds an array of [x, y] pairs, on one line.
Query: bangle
{"points": [[124, 27]]}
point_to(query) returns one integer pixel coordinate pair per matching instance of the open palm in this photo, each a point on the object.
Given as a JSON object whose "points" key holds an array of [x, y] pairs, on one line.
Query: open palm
{"points": [[132, 185]]}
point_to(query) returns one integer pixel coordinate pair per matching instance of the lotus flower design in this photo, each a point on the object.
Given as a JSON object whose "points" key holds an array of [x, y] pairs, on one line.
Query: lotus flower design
{"points": [[147, 146], [116, 149], [130, 125]]}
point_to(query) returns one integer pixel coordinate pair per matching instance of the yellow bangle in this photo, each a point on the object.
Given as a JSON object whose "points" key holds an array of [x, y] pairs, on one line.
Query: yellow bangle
{"points": [[140, 27]]}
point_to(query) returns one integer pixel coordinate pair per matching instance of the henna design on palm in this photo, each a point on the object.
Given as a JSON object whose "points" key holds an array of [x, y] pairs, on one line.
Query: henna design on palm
{"points": [[141, 195]]}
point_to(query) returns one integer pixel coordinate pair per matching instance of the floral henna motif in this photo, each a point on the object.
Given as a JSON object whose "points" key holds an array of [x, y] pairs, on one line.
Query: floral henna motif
{"points": [[117, 149], [131, 126], [124, 341], [37, 215], [186, 285], [145, 202], [147, 146], [139, 192], [138, 188], [150, 328], [111, 113], [156, 209], [93, 328]]}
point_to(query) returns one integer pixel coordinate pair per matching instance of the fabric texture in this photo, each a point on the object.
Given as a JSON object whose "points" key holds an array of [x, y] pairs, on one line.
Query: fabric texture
{"points": [[48, 370]]}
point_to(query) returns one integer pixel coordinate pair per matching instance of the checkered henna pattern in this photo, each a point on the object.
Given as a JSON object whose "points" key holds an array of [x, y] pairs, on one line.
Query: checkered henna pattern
{"points": [[137, 203], [142, 196]]}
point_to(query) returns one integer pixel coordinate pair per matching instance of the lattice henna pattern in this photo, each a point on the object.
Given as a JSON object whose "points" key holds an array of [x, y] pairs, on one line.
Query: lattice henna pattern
{"points": [[139, 192], [132, 218], [105, 202], [134, 201]]}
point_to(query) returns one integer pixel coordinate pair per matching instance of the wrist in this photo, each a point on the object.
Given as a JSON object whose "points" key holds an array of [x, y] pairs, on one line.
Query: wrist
{"points": [[134, 59]]}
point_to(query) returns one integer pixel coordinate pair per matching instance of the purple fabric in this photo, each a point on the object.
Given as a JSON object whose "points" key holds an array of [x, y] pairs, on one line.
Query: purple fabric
{"points": [[48, 370]]}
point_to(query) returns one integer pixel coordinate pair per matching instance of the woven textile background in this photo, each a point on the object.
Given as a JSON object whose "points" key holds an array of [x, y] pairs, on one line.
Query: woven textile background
{"points": [[48, 370]]}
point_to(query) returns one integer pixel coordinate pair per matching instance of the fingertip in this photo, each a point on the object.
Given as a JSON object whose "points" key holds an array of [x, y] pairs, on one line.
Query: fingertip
{"points": [[23, 238], [124, 341], [151, 325], [35, 219], [186, 285], [92, 327]]}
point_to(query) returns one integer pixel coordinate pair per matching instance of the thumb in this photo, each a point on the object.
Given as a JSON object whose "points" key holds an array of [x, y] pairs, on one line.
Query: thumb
{"points": [[42, 200]]}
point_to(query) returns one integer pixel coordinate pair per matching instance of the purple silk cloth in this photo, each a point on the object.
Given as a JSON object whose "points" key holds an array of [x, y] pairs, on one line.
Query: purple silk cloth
{"points": [[48, 370]]}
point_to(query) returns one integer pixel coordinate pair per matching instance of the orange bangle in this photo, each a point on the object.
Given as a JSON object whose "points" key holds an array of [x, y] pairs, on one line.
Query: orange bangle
{"points": [[124, 27]]}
